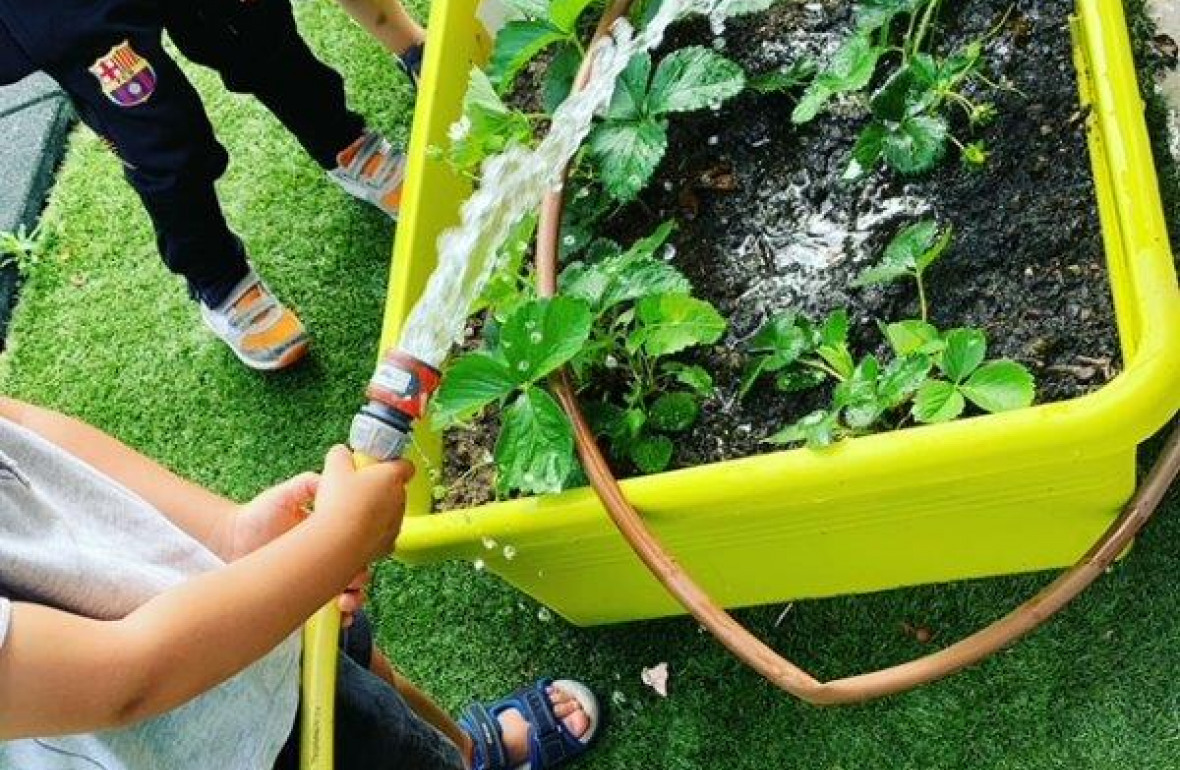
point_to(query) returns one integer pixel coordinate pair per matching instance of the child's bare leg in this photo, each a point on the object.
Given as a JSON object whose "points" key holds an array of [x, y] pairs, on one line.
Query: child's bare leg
{"points": [[516, 729], [387, 21]]}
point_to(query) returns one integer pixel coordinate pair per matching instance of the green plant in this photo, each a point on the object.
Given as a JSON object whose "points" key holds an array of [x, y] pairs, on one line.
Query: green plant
{"points": [[630, 142], [487, 126], [930, 378], [617, 320], [546, 24], [909, 130], [910, 253], [20, 247], [644, 314], [535, 450]]}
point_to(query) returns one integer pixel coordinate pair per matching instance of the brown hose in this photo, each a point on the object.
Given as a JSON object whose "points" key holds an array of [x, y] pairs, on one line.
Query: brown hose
{"points": [[745, 645]]}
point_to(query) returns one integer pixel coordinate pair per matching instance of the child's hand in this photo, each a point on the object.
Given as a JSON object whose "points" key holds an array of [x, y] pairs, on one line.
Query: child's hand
{"points": [[269, 515], [367, 503]]}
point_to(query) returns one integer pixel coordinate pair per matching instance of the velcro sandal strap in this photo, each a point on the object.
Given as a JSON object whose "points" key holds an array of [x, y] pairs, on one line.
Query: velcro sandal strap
{"points": [[484, 729], [548, 743]]}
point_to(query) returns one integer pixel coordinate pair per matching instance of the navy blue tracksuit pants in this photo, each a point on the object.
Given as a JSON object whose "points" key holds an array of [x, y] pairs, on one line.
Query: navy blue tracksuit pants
{"points": [[107, 55]]}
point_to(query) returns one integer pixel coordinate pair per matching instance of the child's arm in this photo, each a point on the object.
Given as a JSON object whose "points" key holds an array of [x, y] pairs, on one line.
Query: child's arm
{"points": [[60, 673], [387, 21], [197, 511]]}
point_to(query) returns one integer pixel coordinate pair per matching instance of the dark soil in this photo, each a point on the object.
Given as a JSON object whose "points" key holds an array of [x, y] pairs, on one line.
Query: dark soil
{"points": [[1027, 264]]}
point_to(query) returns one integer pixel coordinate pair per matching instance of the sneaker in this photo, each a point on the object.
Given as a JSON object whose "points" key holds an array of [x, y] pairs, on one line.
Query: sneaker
{"points": [[370, 170], [411, 63], [261, 332]]}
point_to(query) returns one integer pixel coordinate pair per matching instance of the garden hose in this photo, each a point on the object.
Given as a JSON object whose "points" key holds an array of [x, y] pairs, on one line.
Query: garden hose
{"points": [[735, 637], [381, 432]]}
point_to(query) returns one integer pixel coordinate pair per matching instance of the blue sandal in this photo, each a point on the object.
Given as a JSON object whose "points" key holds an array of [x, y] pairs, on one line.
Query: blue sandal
{"points": [[550, 744]]}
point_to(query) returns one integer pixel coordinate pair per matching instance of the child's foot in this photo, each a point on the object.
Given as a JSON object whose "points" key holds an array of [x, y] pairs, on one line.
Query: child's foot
{"points": [[538, 727], [261, 332], [411, 62], [372, 171]]}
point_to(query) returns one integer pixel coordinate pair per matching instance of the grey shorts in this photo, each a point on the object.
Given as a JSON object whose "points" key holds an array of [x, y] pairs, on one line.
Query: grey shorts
{"points": [[375, 728]]}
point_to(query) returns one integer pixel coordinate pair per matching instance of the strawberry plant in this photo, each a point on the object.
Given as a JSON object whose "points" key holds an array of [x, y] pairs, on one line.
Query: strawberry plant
{"points": [[909, 254], [910, 130], [545, 25], [624, 315], [628, 145]]}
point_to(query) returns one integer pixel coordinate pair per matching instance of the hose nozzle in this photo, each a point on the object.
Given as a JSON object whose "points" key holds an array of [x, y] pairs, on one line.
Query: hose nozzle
{"points": [[398, 395]]}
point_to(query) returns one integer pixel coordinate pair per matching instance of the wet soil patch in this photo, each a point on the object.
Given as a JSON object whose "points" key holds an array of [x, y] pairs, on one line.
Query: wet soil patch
{"points": [[783, 232]]}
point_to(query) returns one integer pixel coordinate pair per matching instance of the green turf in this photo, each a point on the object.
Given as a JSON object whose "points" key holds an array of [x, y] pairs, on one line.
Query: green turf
{"points": [[105, 332]]}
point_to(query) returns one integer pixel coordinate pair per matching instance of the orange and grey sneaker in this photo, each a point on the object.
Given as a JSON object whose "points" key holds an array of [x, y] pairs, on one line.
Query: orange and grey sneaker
{"points": [[261, 332], [372, 171]]}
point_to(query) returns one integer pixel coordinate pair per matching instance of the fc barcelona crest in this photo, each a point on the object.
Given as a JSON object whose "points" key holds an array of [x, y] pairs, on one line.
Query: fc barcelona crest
{"points": [[126, 78]]}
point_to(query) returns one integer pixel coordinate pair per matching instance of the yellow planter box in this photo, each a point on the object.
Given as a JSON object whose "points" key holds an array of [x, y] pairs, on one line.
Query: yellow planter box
{"points": [[991, 495]]}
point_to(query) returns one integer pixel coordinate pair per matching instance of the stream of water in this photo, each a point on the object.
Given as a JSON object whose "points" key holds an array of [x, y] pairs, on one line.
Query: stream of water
{"points": [[513, 184]]}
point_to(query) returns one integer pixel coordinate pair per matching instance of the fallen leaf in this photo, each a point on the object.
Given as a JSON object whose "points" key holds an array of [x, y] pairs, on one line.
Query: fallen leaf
{"points": [[656, 678], [720, 178]]}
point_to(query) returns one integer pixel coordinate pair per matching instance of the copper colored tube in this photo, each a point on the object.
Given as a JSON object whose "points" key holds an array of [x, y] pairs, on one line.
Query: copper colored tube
{"points": [[745, 645]]}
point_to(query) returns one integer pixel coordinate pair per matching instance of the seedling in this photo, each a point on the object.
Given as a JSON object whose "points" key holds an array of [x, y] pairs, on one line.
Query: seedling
{"points": [[20, 247], [909, 254]]}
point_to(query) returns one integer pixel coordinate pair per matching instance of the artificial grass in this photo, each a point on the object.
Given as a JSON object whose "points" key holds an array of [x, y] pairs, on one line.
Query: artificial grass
{"points": [[104, 332]]}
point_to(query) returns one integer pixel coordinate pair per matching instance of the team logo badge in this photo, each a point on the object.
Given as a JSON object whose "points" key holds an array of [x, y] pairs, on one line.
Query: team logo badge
{"points": [[126, 78]]}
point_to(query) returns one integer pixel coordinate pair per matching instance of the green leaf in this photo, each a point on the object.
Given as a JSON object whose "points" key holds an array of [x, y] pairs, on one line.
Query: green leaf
{"points": [[999, 386], [965, 351], [817, 429], [559, 77], [620, 427], [857, 395], [652, 454], [886, 272], [530, 9], [907, 337], [693, 78], [871, 15], [813, 100], [834, 331], [798, 379], [851, 68], [935, 252], [627, 154], [783, 79], [902, 378], [631, 90], [909, 253], [535, 451], [674, 412], [783, 339], [937, 401], [669, 323], [488, 125], [543, 334], [628, 276], [867, 151], [693, 376], [469, 384], [516, 45], [564, 13], [916, 145]]}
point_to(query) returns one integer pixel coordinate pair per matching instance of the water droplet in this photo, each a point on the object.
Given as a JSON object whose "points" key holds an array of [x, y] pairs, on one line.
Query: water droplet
{"points": [[536, 338], [569, 240], [523, 366], [634, 180], [489, 543], [509, 552], [611, 362], [669, 186], [669, 253], [715, 106], [530, 325], [718, 43], [479, 565], [714, 140], [583, 193], [544, 615]]}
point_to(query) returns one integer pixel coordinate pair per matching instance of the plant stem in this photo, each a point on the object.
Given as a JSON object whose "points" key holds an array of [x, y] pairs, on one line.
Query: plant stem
{"points": [[815, 363], [922, 306]]}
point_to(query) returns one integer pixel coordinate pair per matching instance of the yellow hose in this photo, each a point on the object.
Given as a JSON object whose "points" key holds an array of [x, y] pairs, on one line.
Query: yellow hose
{"points": [[321, 645]]}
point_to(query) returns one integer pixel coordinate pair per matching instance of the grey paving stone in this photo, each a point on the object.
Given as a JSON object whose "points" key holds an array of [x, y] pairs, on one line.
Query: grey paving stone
{"points": [[34, 120]]}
